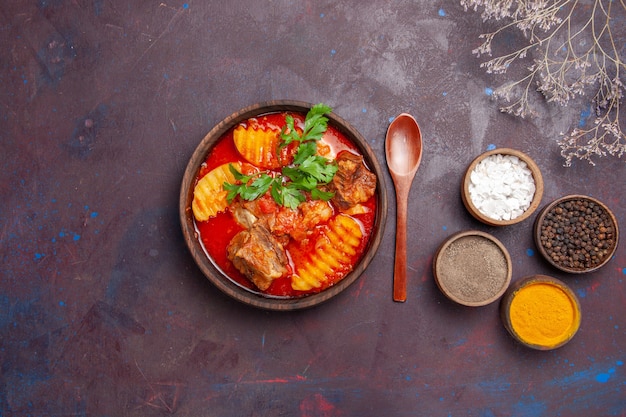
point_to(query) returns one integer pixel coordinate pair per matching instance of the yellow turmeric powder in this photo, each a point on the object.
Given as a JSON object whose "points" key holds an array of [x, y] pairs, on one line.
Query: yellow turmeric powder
{"points": [[544, 314]]}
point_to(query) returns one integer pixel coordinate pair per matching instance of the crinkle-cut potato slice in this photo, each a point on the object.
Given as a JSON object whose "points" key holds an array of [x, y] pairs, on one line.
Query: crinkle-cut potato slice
{"points": [[333, 252], [257, 145], [209, 196]]}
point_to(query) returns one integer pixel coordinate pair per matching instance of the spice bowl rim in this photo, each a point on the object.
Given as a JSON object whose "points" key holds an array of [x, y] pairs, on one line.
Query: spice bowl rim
{"points": [[515, 287], [541, 217], [191, 235], [537, 177], [447, 243]]}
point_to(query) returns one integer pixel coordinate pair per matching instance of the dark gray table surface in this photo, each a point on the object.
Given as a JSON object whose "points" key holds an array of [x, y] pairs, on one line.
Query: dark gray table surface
{"points": [[102, 309]]}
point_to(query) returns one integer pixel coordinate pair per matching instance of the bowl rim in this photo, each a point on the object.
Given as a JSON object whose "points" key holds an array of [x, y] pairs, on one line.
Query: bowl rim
{"points": [[455, 237], [545, 210], [536, 201], [190, 234], [508, 297]]}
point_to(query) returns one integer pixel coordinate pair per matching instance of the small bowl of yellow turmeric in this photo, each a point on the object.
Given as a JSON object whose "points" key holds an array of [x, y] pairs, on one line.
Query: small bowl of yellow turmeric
{"points": [[541, 312]]}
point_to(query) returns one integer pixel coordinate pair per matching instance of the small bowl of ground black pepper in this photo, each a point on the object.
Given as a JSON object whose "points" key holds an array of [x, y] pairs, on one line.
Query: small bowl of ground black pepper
{"points": [[502, 187], [576, 234], [472, 268]]}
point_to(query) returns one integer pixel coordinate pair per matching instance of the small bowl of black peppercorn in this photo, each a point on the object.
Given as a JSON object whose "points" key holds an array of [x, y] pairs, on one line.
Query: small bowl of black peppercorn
{"points": [[576, 234]]}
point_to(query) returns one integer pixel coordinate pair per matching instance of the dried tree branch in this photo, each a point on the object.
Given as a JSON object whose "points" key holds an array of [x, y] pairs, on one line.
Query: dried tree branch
{"points": [[574, 53]]}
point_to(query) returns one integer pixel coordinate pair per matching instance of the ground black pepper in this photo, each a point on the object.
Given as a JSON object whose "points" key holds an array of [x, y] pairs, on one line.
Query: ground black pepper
{"points": [[578, 234], [472, 269]]}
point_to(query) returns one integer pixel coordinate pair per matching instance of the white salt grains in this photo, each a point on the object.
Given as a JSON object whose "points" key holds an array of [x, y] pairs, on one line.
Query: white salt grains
{"points": [[501, 187]]}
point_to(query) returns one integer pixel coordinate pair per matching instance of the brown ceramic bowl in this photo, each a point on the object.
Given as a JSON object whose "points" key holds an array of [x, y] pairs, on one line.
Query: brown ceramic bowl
{"points": [[190, 231], [571, 250], [530, 308], [484, 217], [472, 268]]}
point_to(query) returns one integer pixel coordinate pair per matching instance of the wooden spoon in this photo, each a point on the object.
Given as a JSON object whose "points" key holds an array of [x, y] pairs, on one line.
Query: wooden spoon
{"points": [[403, 150]]}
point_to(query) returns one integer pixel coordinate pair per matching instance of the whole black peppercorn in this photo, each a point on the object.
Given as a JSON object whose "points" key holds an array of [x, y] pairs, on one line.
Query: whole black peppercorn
{"points": [[577, 234]]}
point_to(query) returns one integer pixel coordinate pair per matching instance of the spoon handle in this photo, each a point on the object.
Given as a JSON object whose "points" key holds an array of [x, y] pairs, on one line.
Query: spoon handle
{"points": [[399, 269]]}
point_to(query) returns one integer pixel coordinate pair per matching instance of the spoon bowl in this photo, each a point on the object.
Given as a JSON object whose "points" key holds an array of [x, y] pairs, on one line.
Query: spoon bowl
{"points": [[403, 147], [403, 151]]}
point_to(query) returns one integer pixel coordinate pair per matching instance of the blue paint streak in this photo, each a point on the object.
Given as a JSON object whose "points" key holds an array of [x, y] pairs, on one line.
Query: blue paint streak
{"points": [[624, 271], [5, 306], [98, 5], [459, 342], [94, 214], [442, 12], [185, 6], [582, 293], [489, 91], [584, 115], [574, 378], [530, 252], [587, 376], [491, 147], [529, 407], [497, 386]]}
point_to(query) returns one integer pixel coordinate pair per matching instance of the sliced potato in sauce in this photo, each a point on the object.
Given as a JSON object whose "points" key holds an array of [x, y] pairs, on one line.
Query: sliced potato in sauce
{"points": [[209, 196], [257, 145], [332, 253]]}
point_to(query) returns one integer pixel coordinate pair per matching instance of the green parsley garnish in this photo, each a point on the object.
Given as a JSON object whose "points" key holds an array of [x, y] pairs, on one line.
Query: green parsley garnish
{"points": [[306, 173]]}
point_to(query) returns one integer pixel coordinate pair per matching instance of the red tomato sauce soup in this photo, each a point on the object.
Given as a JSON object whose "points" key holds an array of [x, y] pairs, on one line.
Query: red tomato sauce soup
{"points": [[216, 233]]}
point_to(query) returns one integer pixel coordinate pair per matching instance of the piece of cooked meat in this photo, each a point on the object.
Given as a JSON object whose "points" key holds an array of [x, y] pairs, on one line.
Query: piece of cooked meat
{"points": [[258, 255], [315, 212], [310, 214], [353, 183], [243, 215], [283, 221]]}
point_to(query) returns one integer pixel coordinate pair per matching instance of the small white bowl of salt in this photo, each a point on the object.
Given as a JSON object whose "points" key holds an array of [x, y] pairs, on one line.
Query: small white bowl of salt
{"points": [[502, 187]]}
